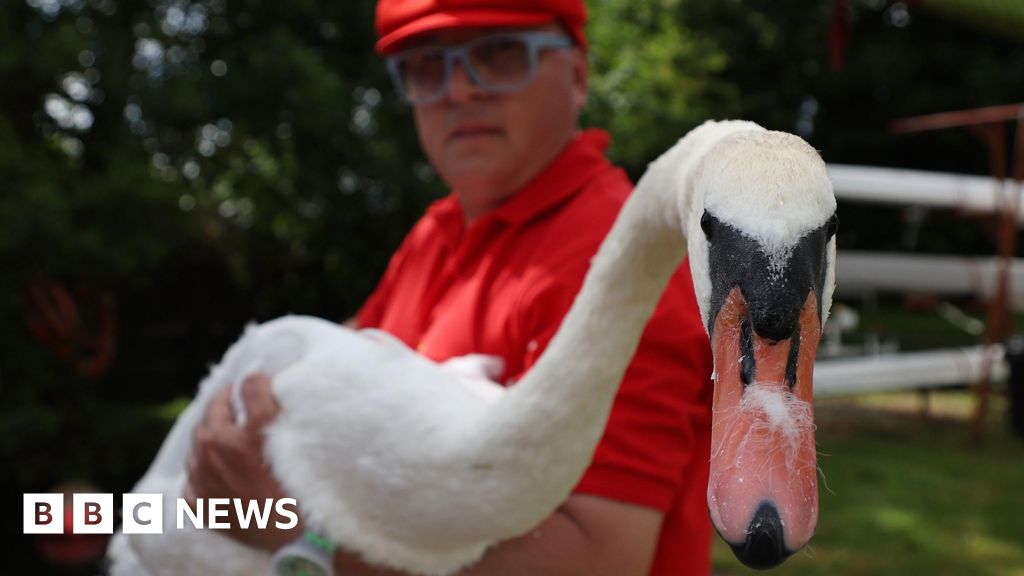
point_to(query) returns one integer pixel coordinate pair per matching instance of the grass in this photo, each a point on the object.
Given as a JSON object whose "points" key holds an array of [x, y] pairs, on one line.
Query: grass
{"points": [[909, 494]]}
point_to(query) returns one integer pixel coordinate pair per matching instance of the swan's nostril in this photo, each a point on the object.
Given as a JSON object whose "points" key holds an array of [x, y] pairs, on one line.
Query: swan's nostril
{"points": [[764, 547], [748, 364]]}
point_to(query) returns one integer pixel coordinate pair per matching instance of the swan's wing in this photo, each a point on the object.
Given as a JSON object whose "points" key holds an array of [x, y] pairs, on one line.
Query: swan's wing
{"points": [[383, 338], [268, 348], [371, 442], [169, 463], [123, 559], [187, 551], [166, 475], [351, 403], [478, 374]]}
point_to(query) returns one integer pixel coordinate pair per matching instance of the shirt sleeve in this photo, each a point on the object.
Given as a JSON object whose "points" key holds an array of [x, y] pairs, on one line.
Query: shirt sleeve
{"points": [[371, 313], [662, 406], [425, 241]]}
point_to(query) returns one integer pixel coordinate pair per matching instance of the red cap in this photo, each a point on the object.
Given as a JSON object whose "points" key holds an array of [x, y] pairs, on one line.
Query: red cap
{"points": [[399, 20]]}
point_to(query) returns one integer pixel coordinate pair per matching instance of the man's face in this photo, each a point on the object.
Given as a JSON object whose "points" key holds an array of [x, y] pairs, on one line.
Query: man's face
{"points": [[487, 146]]}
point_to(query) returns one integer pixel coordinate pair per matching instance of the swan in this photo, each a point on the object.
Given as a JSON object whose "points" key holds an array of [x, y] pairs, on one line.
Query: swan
{"points": [[421, 467]]}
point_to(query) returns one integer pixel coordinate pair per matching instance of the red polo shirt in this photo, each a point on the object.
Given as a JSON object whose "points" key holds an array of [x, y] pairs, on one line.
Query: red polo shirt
{"points": [[501, 286]]}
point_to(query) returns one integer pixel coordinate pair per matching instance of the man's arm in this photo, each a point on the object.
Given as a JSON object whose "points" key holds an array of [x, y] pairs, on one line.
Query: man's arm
{"points": [[587, 535]]}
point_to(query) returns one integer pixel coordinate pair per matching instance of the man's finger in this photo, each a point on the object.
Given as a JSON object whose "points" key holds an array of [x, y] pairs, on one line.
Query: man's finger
{"points": [[219, 411], [194, 479], [189, 494], [258, 396], [207, 475]]}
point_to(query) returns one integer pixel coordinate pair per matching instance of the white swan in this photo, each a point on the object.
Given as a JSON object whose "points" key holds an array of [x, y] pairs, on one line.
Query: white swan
{"points": [[403, 461]]}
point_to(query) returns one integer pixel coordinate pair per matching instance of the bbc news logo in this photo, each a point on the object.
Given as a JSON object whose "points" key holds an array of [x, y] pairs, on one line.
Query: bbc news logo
{"points": [[144, 513]]}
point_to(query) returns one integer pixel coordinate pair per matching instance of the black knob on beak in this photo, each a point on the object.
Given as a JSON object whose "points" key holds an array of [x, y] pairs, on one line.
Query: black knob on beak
{"points": [[775, 310], [764, 547]]}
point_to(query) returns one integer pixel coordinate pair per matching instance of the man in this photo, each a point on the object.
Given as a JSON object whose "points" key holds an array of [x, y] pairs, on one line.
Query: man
{"points": [[496, 89]]}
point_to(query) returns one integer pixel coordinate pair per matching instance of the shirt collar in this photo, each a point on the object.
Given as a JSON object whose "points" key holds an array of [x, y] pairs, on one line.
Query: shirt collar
{"points": [[563, 178]]}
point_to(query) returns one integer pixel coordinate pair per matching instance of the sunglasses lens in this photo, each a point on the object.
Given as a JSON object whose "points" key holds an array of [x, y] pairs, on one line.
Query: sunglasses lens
{"points": [[496, 64], [421, 74], [501, 63]]}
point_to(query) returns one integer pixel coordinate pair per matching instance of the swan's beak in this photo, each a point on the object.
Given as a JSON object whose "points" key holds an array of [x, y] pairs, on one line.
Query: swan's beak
{"points": [[763, 489]]}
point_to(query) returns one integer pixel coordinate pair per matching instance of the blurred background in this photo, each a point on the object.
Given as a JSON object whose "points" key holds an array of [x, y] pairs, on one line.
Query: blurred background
{"points": [[173, 169]]}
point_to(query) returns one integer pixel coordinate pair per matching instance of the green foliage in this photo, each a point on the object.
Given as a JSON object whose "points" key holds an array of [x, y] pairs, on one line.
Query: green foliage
{"points": [[652, 80], [203, 164], [1000, 16]]}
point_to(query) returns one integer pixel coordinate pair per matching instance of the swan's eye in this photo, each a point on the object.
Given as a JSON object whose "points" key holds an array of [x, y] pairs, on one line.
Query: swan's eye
{"points": [[706, 224], [833, 226]]}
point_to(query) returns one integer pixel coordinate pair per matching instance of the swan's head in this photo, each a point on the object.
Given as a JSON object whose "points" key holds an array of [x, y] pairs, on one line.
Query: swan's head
{"points": [[761, 236]]}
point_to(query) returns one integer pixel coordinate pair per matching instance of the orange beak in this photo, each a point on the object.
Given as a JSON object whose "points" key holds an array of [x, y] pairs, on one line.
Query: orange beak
{"points": [[763, 488]]}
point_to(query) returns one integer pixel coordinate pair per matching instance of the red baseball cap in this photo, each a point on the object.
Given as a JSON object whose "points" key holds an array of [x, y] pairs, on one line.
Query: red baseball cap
{"points": [[399, 20]]}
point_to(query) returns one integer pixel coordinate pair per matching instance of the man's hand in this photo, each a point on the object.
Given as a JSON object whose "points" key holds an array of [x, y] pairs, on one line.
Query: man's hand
{"points": [[227, 461], [587, 535]]}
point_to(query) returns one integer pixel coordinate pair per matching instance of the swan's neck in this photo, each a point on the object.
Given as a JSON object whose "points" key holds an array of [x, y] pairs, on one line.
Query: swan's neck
{"points": [[570, 389], [532, 446]]}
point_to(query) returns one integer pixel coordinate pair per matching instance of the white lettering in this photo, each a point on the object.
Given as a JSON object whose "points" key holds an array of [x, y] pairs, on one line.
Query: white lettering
{"points": [[219, 509], [195, 517], [245, 517], [143, 513], [280, 506]]}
